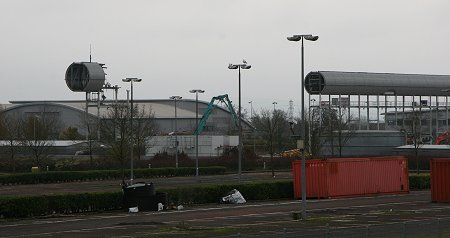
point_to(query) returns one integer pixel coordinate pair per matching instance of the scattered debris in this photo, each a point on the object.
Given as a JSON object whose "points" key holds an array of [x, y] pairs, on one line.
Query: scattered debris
{"points": [[234, 197], [133, 209]]}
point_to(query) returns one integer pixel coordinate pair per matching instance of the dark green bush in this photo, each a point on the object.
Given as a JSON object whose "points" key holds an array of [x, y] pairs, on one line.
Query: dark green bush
{"points": [[419, 181], [212, 193], [71, 176], [18, 207]]}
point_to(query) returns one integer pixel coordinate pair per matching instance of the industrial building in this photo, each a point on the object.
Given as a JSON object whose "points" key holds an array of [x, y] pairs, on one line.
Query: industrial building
{"points": [[377, 106], [219, 132], [382, 102]]}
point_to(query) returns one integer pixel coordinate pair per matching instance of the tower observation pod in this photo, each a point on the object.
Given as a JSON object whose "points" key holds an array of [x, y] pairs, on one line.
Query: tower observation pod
{"points": [[85, 77]]}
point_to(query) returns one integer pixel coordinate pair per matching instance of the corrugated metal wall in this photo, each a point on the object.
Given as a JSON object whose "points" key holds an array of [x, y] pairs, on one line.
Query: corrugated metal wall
{"points": [[350, 177], [440, 180]]}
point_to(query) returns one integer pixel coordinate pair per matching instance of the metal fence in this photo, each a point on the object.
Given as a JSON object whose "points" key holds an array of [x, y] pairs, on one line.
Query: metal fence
{"points": [[430, 228]]}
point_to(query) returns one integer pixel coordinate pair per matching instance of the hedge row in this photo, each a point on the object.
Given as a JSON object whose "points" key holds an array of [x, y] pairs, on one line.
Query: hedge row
{"points": [[71, 176], [17, 207], [30, 206], [419, 181], [212, 193]]}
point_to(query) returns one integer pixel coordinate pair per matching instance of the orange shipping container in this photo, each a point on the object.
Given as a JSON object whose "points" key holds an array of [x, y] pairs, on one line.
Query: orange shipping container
{"points": [[440, 179], [351, 177]]}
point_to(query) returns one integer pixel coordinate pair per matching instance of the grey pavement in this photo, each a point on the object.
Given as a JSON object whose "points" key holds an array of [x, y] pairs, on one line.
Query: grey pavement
{"points": [[380, 216]]}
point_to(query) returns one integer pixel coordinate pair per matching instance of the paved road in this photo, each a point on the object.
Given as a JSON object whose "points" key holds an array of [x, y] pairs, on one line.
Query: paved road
{"points": [[114, 185], [268, 219]]}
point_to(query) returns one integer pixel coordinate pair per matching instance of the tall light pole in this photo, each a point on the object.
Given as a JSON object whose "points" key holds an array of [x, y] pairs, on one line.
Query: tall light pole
{"points": [[175, 98], [311, 117], [244, 65], [274, 103], [251, 118], [196, 91], [34, 126], [303, 172], [131, 80]]}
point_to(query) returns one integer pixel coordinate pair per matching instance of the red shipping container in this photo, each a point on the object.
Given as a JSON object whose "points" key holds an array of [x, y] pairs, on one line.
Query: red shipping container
{"points": [[440, 179], [352, 177]]}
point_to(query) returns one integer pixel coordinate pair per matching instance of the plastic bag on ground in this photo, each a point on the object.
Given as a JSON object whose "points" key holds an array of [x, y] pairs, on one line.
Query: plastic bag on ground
{"points": [[234, 197], [133, 209]]}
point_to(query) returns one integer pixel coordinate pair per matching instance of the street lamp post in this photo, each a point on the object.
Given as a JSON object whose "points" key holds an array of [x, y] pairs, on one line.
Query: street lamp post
{"points": [[196, 91], [251, 118], [303, 172], [34, 126], [244, 65], [131, 80], [175, 98], [310, 118]]}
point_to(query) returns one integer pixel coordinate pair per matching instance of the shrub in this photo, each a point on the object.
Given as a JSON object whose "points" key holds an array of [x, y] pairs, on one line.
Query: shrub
{"points": [[419, 181], [212, 193], [71, 176], [18, 207]]}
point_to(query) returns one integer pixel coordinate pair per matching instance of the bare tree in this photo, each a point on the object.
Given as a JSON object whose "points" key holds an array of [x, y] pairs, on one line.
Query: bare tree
{"points": [[414, 134], [11, 131], [145, 127], [336, 126], [39, 131], [271, 126], [70, 133], [116, 131], [91, 126], [315, 131]]}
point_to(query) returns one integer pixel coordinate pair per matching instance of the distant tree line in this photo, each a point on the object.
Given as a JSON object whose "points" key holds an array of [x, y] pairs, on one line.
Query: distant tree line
{"points": [[33, 134]]}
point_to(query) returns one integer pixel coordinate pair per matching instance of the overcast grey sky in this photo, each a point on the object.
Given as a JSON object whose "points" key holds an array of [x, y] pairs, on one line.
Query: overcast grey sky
{"points": [[178, 45]]}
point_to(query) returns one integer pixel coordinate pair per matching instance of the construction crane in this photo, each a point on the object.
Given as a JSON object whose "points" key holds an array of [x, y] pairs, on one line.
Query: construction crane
{"points": [[221, 98]]}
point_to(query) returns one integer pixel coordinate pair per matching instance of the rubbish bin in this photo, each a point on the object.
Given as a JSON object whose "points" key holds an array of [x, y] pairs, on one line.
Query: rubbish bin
{"points": [[141, 195]]}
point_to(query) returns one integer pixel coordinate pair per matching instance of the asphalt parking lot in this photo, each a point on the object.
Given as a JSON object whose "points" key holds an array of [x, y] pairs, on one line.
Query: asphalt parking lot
{"points": [[407, 215]]}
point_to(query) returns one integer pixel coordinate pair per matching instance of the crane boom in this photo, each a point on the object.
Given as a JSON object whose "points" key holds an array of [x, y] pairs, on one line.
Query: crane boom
{"points": [[221, 98]]}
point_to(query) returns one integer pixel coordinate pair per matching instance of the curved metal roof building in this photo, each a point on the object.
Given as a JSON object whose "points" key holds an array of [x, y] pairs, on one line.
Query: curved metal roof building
{"points": [[360, 83]]}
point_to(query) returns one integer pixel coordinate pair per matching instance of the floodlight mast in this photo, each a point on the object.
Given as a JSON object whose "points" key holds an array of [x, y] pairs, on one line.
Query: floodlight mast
{"points": [[131, 80], [175, 98], [303, 172], [244, 65], [196, 91]]}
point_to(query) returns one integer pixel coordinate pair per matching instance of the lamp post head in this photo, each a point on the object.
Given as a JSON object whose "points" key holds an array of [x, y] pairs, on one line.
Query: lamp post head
{"points": [[196, 91], [294, 38], [127, 80], [242, 66], [299, 37], [311, 37], [175, 98], [233, 66]]}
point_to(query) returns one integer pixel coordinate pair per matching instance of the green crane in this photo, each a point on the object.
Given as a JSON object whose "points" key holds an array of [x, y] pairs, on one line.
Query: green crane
{"points": [[222, 98]]}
